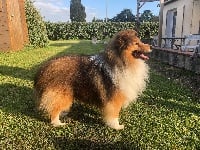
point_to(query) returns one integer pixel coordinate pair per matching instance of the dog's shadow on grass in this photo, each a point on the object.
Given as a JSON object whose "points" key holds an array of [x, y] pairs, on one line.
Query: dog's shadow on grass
{"points": [[16, 99], [16, 72], [16, 94], [84, 114], [20, 100], [74, 144]]}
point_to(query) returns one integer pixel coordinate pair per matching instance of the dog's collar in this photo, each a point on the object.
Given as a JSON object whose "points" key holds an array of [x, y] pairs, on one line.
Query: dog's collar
{"points": [[100, 63]]}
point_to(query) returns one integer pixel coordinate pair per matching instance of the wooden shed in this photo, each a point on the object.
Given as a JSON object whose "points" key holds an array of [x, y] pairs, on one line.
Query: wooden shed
{"points": [[13, 27]]}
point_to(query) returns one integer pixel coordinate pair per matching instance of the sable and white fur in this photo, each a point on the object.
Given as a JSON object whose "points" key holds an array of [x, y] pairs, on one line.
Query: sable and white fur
{"points": [[109, 80]]}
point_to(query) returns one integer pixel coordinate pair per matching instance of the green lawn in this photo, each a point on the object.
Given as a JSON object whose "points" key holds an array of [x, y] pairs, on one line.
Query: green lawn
{"points": [[166, 116]]}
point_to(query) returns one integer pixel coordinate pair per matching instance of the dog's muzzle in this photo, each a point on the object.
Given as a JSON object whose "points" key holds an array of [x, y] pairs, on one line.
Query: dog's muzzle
{"points": [[139, 54]]}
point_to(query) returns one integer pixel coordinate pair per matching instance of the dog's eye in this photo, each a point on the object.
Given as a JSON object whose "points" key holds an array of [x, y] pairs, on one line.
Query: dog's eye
{"points": [[136, 43]]}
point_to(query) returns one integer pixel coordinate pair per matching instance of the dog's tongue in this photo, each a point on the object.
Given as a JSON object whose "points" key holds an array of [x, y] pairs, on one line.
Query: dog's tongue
{"points": [[144, 56]]}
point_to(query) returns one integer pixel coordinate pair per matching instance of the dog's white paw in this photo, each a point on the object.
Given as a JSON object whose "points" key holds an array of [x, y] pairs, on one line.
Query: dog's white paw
{"points": [[57, 123], [119, 127], [125, 105], [114, 123]]}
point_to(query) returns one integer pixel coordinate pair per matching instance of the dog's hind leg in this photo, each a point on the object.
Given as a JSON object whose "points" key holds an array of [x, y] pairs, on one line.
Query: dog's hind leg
{"points": [[112, 109], [56, 102]]}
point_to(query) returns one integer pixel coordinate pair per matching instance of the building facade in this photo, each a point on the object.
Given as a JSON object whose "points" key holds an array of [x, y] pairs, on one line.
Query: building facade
{"points": [[180, 18]]}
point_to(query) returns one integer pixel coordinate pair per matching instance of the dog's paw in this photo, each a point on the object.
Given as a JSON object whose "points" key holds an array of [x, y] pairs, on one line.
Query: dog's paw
{"points": [[119, 127], [57, 123], [114, 124], [125, 105]]}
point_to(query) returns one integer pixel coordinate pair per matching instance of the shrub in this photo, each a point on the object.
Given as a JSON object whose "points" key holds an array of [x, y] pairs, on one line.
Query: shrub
{"points": [[100, 30], [148, 29], [36, 27]]}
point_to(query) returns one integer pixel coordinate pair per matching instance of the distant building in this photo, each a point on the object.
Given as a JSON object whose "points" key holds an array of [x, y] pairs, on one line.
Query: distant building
{"points": [[180, 18]]}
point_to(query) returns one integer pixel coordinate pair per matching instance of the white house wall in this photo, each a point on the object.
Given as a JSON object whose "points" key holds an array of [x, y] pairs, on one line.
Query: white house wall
{"points": [[196, 18], [188, 17]]}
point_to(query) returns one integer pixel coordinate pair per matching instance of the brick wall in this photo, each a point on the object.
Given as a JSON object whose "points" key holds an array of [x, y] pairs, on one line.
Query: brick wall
{"points": [[13, 29], [188, 61]]}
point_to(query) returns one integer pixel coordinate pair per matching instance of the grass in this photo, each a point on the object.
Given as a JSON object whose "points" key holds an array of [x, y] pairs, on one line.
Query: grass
{"points": [[166, 116]]}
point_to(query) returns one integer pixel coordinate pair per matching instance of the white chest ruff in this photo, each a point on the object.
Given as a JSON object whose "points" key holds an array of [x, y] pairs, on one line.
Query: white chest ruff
{"points": [[132, 81]]}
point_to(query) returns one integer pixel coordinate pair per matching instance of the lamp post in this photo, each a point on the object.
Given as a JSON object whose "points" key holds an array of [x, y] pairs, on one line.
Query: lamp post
{"points": [[138, 9], [160, 23], [106, 10]]}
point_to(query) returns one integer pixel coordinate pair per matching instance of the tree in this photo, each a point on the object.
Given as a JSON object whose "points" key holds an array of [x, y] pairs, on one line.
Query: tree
{"points": [[77, 11], [155, 19], [97, 20], [147, 15], [125, 15]]}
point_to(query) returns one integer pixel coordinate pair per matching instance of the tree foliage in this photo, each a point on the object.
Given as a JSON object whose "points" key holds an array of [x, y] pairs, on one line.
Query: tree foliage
{"points": [[147, 15], [36, 27], [77, 11], [97, 20], [125, 15]]}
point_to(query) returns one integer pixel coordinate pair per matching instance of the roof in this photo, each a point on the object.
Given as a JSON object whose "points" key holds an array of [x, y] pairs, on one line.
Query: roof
{"points": [[168, 1]]}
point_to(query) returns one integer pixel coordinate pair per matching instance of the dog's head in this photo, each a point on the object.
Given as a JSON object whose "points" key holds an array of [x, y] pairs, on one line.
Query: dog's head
{"points": [[129, 47]]}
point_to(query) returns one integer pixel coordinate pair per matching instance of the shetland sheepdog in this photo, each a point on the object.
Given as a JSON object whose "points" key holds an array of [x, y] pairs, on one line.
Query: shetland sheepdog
{"points": [[109, 80]]}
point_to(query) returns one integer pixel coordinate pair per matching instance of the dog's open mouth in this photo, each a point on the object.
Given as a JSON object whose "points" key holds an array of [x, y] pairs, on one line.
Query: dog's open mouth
{"points": [[139, 54]]}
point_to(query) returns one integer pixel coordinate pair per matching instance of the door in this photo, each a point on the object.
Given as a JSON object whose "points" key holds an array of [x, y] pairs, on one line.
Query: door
{"points": [[170, 25]]}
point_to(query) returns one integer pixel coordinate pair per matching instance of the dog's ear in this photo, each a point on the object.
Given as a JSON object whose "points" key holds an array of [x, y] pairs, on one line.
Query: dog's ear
{"points": [[135, 32], [123, 39], [131, 32]]}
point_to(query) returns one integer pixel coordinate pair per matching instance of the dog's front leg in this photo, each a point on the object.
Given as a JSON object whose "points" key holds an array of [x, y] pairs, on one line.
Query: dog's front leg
{"points": [[112, 109]]}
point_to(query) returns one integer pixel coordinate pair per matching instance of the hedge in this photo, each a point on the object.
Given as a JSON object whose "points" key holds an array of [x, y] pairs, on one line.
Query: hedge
{"points": [[36, 26], [100, 30]]}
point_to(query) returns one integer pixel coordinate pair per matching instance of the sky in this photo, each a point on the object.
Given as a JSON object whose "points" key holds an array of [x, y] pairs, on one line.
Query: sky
{"points": [[59, 10]]}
